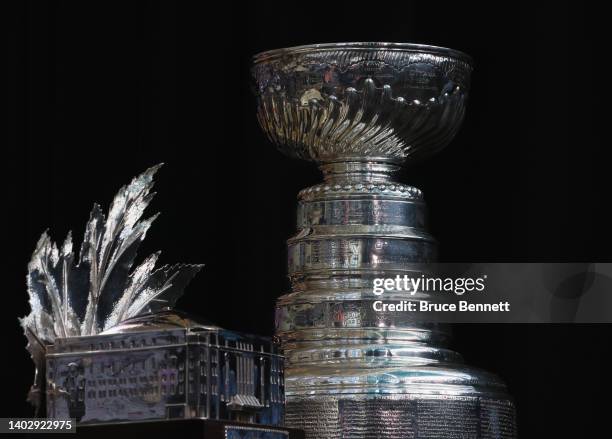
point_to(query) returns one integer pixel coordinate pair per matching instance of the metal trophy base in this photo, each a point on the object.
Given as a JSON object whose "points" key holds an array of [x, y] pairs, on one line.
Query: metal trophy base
{"points": [[186, 429], [353, 372], [403, 416]]}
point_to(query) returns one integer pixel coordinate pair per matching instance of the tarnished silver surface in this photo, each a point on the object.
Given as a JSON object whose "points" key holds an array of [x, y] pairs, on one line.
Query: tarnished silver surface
{"points": [[360, 110]]}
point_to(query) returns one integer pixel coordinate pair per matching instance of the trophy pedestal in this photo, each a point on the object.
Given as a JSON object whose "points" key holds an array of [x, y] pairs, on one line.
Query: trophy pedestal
{"points": [[355, 372], [186, 429]]}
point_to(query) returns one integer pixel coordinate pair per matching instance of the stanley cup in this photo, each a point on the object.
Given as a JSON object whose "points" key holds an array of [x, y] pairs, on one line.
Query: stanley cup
{"points": [[361, 110]]}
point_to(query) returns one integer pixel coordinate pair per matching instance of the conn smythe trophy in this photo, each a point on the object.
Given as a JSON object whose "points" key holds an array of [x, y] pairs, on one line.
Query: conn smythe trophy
{"points": [[360, 110], [109, 349]]}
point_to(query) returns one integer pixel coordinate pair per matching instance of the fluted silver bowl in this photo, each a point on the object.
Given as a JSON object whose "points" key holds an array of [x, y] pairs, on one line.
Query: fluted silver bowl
{"points": [[361, 101]]}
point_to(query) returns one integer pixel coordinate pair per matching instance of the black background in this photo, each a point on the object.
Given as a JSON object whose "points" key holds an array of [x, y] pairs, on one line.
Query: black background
{"points": [[99, 91]]}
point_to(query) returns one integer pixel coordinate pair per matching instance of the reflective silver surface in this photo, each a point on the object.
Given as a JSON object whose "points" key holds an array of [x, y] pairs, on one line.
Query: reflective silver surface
{"points": [[76, 297], [384, 101], [360, 110], [108, 349], [72, 297], [165, 365]]}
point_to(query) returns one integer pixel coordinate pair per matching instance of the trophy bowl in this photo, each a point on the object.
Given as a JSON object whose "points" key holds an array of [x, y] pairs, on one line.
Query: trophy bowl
{"points": [[356, 102]]}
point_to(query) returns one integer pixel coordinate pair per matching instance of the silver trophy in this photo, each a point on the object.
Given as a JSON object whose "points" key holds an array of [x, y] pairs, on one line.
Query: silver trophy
{"points": [[109, 349], [361, 110]]}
